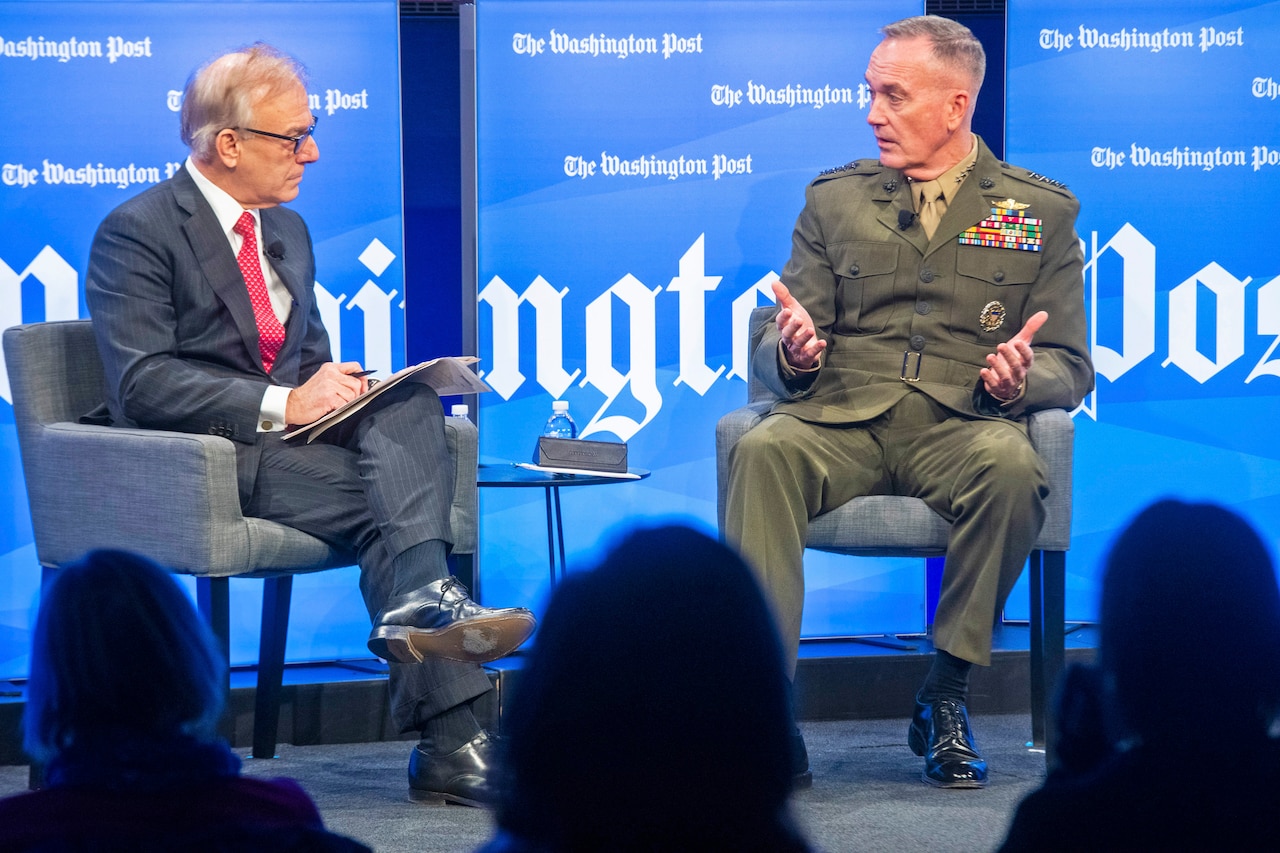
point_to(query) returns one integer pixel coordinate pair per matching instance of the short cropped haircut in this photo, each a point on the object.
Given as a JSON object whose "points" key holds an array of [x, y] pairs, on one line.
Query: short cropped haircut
{"points": [[954, 44], [221, 93], [117, 649]]}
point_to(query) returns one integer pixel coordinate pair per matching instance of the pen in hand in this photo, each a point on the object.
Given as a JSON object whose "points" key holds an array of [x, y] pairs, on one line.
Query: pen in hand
{"points": [[363, 373]]}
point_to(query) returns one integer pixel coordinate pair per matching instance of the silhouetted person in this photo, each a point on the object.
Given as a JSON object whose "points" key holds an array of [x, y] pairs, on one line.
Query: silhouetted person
{"points": [[1171, 742], [123, 701], [653, 713]]}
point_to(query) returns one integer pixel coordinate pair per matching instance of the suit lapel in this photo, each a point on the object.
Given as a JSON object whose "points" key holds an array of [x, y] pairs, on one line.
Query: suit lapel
{"points": [[217, 262], [290, 273]]}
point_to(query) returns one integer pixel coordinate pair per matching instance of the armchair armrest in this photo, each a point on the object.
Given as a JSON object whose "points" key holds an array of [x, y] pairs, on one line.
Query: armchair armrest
{"points": [[1052, 433], [163, 493], [463, 441], [729, 429]]}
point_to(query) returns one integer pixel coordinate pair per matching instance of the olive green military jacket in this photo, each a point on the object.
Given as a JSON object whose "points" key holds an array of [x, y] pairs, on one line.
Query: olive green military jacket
{"points": [[899, 311]]}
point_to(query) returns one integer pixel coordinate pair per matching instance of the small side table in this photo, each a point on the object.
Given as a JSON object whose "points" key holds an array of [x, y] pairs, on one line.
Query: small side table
{"points": [[508, 475]]}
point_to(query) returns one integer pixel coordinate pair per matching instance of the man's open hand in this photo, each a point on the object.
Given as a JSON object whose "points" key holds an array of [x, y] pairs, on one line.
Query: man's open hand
{"points": [[800, 342], [1007, 367]]}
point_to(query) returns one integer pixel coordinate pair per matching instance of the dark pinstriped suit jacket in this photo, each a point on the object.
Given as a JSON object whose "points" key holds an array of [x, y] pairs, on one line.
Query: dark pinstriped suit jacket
{"points": [[174, 323]]}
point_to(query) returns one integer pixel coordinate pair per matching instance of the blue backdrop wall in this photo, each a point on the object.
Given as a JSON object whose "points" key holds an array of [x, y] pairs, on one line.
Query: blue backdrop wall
{"points": [[1160, 116], [1164, 118], [90, 92]]}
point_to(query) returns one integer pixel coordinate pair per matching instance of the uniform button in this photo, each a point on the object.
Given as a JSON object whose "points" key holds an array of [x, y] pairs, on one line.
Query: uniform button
{"points": [[926, 275], [917, 342], [854, 270], [999, 276], [923, 307]]}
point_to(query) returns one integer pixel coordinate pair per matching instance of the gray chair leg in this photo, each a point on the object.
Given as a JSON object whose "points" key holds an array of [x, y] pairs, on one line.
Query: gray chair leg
{"points": [[276, 595]]}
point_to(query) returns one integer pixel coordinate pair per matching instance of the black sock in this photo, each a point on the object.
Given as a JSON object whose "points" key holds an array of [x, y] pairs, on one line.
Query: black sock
{"points": [[419, 566], [948, 679], [449, 730]]}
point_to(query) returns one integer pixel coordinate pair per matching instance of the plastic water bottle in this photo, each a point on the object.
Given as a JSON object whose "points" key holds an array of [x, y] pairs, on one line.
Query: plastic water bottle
{"points": [[560, 424], [459, 410]]}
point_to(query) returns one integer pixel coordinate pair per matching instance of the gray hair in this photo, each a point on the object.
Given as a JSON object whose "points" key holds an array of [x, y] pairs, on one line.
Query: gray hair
{"points": [[221, 93], [953, 43]]}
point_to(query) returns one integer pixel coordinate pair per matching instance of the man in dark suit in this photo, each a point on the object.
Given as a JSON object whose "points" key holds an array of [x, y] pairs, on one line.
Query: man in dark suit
{"points": [[902, 351], [202, 295]]}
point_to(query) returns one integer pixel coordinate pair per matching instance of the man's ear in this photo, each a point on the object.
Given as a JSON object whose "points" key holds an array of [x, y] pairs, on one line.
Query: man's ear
{"points": [[227, 147], [957, 109]]}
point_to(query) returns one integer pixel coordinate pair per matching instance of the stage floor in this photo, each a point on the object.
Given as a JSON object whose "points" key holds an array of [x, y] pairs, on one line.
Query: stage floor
{"points": [[346, 701]]}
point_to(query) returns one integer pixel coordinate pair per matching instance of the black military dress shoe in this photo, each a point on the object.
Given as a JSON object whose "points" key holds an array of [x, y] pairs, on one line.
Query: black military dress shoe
{"points": [[461, 776], [940, 732], [441, 620]]}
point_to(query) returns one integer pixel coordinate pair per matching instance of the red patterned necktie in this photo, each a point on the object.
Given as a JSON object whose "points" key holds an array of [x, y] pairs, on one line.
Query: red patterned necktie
{"points": [[270, 330]]}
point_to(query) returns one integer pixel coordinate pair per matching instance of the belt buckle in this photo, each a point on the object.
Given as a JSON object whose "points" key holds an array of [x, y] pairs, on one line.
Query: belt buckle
{"points": [[906, 366]]}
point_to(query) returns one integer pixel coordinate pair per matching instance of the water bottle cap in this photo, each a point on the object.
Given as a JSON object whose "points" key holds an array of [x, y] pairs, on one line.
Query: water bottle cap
{"points": [[459, 410], [560, 406]]}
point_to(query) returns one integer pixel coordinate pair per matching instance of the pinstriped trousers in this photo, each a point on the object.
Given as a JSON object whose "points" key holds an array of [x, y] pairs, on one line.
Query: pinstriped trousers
{"points": [[375, 486]]}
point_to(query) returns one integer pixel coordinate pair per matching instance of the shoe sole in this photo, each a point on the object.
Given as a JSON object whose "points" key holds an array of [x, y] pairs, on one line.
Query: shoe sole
{"points": [[478, 640], [953, 786], [440, 798]]}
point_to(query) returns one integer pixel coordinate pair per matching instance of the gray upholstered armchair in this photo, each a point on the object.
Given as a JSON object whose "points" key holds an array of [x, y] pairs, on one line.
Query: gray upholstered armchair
{"points": [[168, 495], [890, 526]]}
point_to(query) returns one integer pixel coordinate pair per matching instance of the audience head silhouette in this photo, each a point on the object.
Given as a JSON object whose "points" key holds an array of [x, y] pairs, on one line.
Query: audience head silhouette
{"points": [[1169, 742], [118, 650], [653, 712], [1190, 619], [123, 702]]}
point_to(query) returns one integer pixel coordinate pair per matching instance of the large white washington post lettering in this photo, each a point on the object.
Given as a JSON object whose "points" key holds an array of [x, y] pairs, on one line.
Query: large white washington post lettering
{"points": [[1138, 303], [693, 284], [504, 305], [548, 309], [548, 305], [740, 316], [331, 316], [1268, 324], [375, 303], [1229, 338], [61, 286], [601, 374]]}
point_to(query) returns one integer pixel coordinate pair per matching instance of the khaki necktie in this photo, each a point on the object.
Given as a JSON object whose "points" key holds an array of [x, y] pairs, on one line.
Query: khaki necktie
{"points": [[932, 206]]}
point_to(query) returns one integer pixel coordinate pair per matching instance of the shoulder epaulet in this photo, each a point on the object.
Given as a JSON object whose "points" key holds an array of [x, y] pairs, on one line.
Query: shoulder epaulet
{"points": [[1035, 178], [853, 167]]}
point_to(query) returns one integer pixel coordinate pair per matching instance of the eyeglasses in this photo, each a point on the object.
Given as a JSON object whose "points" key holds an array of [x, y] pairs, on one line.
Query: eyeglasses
{"points": [[298, 141]]}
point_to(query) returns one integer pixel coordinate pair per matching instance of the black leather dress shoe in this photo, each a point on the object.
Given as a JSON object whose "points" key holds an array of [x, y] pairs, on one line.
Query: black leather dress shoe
{"points": [[441, 620], [462, 776], [940, 732]]}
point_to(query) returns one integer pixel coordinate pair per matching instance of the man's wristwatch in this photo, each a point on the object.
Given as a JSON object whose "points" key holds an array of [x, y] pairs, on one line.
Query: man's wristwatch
{"points": [[1016, 394]]}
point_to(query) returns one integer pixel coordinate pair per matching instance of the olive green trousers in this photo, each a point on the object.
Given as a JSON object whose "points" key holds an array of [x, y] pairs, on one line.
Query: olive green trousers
{"points": [[983, 476]]}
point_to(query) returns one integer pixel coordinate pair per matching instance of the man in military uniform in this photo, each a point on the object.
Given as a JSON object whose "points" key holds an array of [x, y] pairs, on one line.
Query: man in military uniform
{"points": [[933, 299]]}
